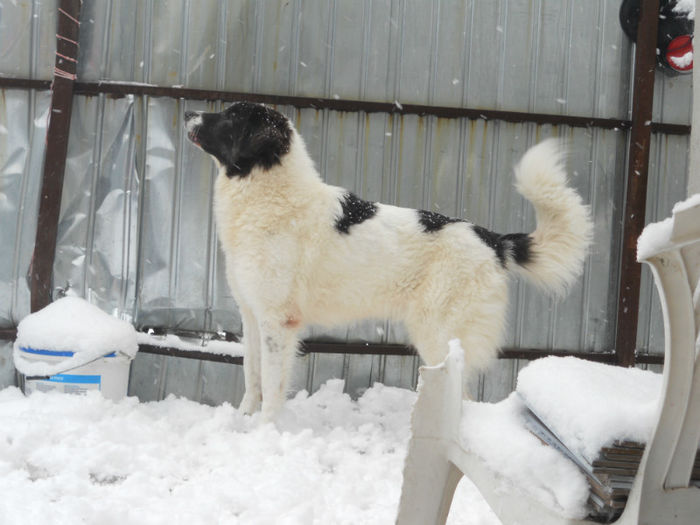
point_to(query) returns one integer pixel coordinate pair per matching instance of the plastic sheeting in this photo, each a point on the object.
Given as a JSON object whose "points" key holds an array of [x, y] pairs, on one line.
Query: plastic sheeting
{"points": [[136, 233], [23, 119]]}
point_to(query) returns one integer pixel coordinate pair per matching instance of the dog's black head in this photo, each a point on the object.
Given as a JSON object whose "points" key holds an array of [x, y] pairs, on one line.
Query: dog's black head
{"points": [[241, 137]]}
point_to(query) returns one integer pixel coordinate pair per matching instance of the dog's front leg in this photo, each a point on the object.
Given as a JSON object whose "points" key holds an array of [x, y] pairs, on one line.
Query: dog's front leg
{"points": [[252, 399], [278, 346]]}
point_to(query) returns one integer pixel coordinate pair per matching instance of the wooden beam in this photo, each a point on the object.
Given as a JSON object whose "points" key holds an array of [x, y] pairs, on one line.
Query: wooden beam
{"points": [[66, 63], [637, 175]]}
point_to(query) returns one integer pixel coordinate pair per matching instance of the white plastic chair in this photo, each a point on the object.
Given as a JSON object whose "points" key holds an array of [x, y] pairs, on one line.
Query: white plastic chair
{"points": [[661, 494]]}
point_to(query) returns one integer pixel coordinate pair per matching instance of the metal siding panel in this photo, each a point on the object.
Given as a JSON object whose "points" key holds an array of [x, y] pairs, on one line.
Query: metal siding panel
{"points": [[23, 119], [518, 58], [372, 50], [240, 53], [379, 73], [484, 49], [583, 42], [613, 63], [202, 28], [312, 44], [195, 177], [416, 53], [549, 82], [568, 319], [182, 271], [673, 98], [146, 376], [498, 382], [449, 71], [351, 33], [538, 55], [605, 188], [113, 39], [221, 383], [157, 214], [324, 367], [668, 173], [359, 373], [182, 378], [7, 367], [28, 38], [409, 169], [168, 52], [273, 52], [400, 371], [444, 177]]}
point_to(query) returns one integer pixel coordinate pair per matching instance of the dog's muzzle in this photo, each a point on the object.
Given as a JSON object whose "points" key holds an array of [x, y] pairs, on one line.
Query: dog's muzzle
{"points": [[193, 121]]}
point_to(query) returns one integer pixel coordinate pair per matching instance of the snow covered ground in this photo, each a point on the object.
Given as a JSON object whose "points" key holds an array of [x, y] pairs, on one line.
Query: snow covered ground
{"points": [[330, 460], [327, 460]]}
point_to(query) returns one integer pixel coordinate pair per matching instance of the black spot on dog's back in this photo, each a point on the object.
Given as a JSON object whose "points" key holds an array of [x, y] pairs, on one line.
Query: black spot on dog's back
{"points": [[355, 211], [492, 240], [519, 246], [433, 222], [514, 245]]}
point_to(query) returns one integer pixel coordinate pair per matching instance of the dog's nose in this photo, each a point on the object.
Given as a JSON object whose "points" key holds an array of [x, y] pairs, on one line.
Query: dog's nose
{"points": [[190, 115]]}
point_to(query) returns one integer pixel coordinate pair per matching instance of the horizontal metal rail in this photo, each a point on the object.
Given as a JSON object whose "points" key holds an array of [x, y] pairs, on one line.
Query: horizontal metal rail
{"points": [[362, 348], [122, 89], [8, 334]]}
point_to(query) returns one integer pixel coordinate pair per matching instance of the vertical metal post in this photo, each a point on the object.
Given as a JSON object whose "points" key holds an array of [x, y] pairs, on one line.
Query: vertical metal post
{"points": [[635, 201], [68, 28]]}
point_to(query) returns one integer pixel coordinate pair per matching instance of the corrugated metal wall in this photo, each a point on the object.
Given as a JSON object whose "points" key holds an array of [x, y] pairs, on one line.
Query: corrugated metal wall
{"points": [[136, 233]]}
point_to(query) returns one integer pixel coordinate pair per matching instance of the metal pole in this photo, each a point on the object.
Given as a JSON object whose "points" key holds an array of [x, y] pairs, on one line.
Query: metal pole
{"points": [[635, 201], [56, 149]]}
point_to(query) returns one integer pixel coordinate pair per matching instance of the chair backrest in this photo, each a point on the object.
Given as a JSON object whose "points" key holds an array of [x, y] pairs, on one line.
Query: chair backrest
{"points": [[672, 249]]}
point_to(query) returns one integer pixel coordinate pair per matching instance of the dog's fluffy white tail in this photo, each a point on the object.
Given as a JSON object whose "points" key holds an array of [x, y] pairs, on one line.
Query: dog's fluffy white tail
{"points": [[564, 231]]}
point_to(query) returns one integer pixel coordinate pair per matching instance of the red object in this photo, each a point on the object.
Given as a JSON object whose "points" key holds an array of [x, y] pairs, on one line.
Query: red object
{"points": [[677, 51]]}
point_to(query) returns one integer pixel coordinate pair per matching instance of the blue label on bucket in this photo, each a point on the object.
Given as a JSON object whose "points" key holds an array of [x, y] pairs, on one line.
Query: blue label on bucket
{"points": [[55, 353], [75, 378]]}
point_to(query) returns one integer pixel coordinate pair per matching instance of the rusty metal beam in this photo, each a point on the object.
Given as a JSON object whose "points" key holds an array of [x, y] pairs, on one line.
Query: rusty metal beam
{"points": [[122, 89], [24, 83], [637, 173], [8, 334], [116, 89], [68, 29], [393, 349], [55, 155], [190, 354]]}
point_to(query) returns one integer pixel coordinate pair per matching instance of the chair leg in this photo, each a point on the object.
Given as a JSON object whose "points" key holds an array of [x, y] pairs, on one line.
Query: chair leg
{"points": [[429, 482]]}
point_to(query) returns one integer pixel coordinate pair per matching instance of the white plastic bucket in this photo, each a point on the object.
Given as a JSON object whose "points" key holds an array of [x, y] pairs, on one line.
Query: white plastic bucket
{"points": [[108, 374]]}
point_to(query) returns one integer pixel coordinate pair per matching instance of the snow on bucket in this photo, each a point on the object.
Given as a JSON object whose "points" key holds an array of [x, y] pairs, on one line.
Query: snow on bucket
{"points": [[72, 346]]}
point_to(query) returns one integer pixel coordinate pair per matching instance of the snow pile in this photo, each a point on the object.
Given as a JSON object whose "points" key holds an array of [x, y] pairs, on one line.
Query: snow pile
{"points": [[591, 405], [496, 433], [685, 7], [656, 235], [690, 202], [329, 460], [71, 324]]}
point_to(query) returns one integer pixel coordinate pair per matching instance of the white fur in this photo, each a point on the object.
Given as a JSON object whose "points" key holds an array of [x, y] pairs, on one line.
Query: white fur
{"points": [[193, 122], [289, 267]]}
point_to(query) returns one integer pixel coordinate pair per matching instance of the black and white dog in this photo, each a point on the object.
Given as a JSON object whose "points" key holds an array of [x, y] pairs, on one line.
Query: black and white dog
{"points": [[299, 251]]}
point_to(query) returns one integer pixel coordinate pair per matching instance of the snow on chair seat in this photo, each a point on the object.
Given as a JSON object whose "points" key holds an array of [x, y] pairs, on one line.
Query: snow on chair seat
{"points": [[449, 441]]}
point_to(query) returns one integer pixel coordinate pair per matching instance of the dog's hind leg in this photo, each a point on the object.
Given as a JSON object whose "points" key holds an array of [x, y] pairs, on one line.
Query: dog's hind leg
{"points": [[252, 399], [278, 348]]}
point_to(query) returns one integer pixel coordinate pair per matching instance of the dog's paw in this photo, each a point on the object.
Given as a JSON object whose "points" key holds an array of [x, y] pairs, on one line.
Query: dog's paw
{"points": [[250, 403]]}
